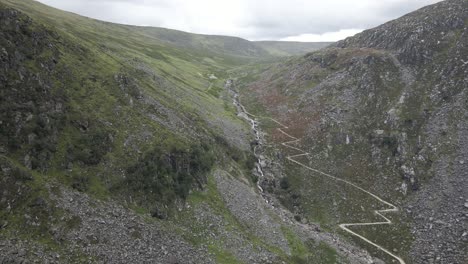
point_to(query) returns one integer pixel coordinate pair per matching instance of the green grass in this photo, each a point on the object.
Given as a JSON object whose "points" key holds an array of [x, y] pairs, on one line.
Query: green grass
{"points": [[298, 249], [310, 251], [223, 256]]}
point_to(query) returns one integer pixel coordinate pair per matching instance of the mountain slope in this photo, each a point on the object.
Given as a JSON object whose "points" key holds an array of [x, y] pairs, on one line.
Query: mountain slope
{"points": [[117, 145], [212, 46], [386, 110]]}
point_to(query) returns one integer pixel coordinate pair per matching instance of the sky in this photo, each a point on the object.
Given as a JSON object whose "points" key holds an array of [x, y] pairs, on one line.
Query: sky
{"points": [[289, 20]]}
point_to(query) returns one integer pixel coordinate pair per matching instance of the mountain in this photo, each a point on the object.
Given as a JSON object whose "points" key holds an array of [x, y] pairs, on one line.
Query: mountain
{"points": [[135, 144], [121, 144], [385, 112], [210, 45]]}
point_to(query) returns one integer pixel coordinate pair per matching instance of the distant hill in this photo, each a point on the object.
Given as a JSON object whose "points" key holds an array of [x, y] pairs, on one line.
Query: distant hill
{"points": [[212, 44], [226, 45], [286, 48]]}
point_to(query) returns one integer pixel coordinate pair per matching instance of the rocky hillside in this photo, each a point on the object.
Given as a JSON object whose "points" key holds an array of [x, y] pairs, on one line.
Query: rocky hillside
{"points": [[121, 144], [386, 110]]}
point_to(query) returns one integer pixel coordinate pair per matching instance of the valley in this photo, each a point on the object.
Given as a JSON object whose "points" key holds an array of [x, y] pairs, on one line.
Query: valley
{"points": [[294, 144], [362, 113], [126, 144]]}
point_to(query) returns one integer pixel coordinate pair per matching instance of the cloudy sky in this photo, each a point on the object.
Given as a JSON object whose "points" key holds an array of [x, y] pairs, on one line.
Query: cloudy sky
{"points": [[298, 20]]}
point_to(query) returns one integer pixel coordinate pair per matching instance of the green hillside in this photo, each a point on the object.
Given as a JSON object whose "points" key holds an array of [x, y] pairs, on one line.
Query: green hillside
{"points": [[106, 123]]}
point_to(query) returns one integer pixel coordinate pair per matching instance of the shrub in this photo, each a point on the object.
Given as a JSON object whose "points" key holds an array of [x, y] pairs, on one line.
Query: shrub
{"points": [[80, 183], [163, 176], [284, 183], [391, 142], [90, 147]]}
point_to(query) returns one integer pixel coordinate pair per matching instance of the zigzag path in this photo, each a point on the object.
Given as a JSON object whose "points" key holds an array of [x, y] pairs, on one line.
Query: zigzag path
{"points": [[344, 226]]}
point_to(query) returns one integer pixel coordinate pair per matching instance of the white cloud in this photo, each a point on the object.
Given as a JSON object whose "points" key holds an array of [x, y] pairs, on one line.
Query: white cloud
{"points": [[251, 19], [325, 37]]}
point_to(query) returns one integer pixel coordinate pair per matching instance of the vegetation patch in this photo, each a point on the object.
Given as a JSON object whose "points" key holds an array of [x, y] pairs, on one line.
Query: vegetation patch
{"points": [[161, 176]]}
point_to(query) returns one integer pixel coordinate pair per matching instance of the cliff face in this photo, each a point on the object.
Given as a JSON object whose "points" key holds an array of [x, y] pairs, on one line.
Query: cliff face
{"points": [[418, 37], [385, 109]]}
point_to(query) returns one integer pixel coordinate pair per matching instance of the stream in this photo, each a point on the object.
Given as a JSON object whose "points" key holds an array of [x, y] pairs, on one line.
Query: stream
{"points": [[242, 112]]}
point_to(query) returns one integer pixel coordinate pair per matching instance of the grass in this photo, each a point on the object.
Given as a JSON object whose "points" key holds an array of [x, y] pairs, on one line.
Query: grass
{"points": [[298, 249], [385, 235], [310, 251], [223, 256]]}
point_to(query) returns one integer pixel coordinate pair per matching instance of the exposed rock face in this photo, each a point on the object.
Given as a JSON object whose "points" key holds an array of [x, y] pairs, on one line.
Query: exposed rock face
{"points": [[387, 109], [418, 37]]}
